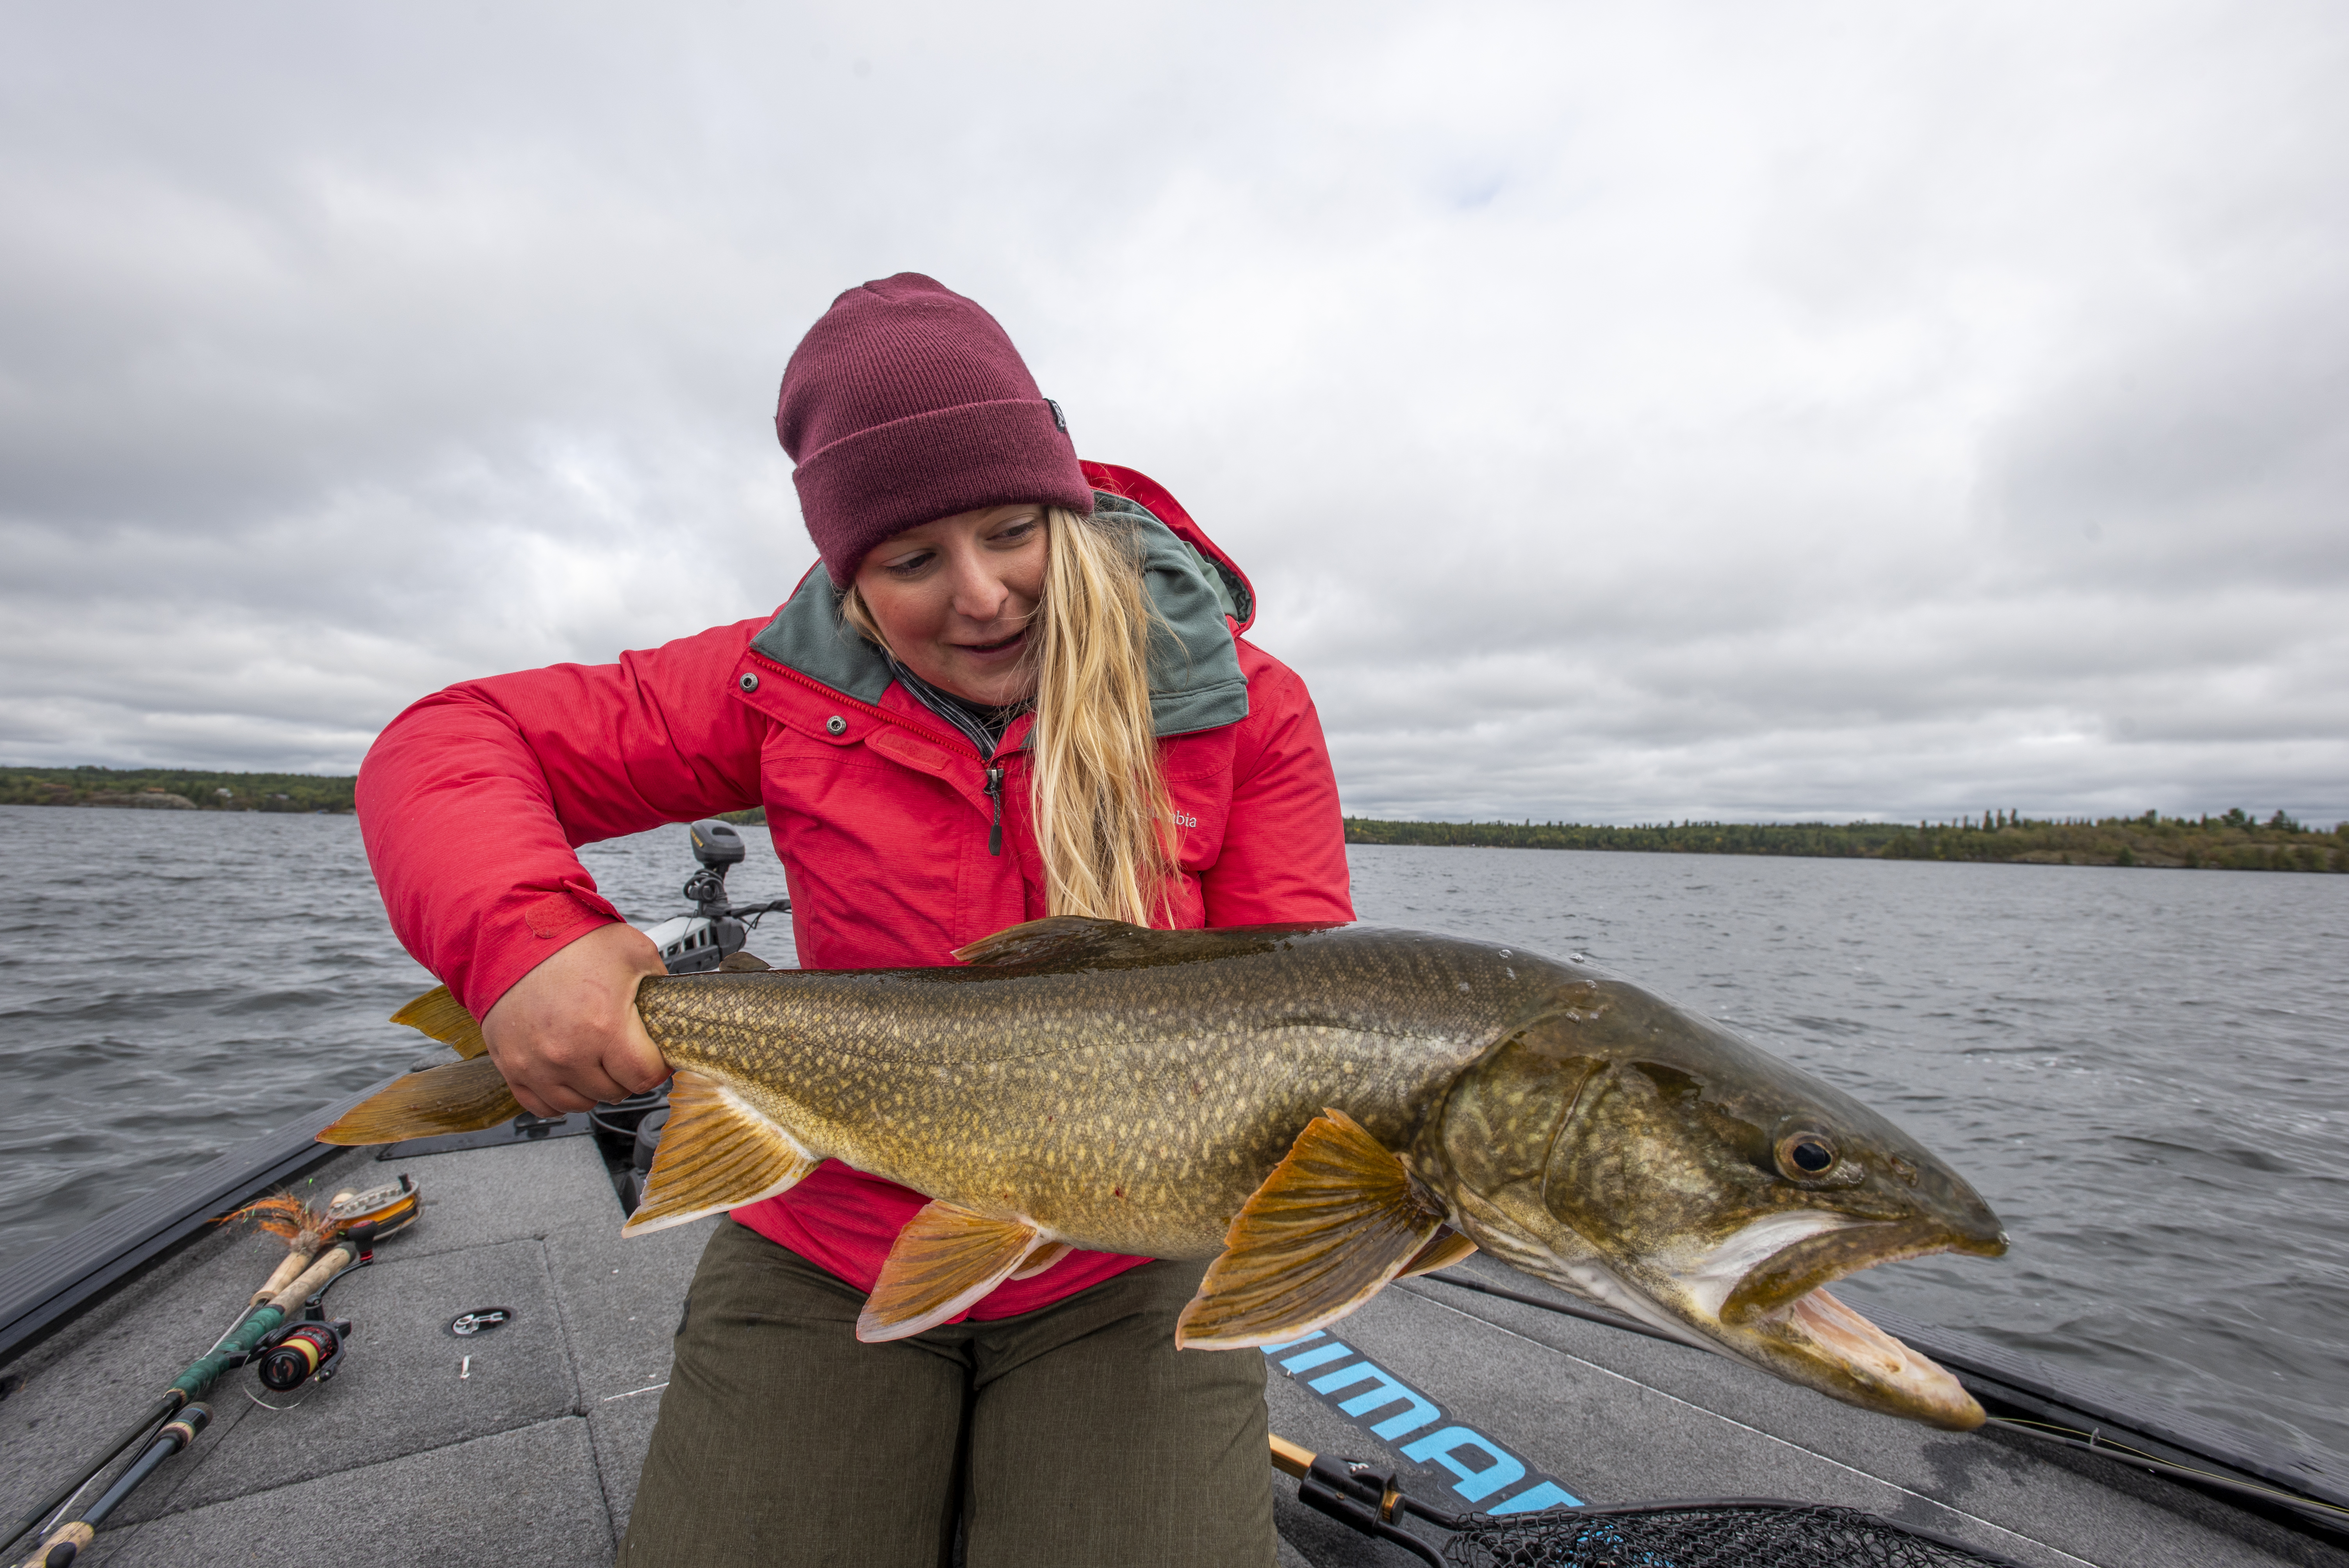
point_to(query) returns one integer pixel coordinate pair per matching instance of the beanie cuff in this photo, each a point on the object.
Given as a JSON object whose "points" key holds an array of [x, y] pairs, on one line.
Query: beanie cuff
{"points": [[880, 481]]}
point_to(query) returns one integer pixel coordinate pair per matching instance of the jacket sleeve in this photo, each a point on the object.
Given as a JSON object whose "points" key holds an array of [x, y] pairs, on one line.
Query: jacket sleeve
{"points": [[1284, 851], [472, 801]]}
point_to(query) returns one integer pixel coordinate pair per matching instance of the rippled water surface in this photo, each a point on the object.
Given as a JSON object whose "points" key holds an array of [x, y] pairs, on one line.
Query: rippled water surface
{"points": [[2141, 1070], [2145, 1072]]}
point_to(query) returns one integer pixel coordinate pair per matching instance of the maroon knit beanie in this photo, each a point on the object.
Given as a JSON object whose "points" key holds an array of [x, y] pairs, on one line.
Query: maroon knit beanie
{"points": [[907, 403]]}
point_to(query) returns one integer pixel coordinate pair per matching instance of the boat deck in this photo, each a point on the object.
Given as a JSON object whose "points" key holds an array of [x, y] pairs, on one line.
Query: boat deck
{"points": [[528, 1452]]}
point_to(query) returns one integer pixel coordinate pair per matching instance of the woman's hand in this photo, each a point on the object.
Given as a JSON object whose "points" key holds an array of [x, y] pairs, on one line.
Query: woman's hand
{"points": [[566, 1036]]}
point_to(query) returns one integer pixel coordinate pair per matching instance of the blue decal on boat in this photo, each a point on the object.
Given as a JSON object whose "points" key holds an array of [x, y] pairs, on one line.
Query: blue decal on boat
{"points": [[1472, 1464]]}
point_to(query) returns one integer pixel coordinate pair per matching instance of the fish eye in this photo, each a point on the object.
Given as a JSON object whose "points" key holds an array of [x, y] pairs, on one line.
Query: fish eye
{"points": [[1805, 1156]]}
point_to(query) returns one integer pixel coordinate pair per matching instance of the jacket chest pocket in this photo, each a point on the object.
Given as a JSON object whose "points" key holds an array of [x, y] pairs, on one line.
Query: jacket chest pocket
{"points": [[1198, 773]]}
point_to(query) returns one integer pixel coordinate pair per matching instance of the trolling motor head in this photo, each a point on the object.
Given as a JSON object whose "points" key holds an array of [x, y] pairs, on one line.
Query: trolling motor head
{"points": [[718, 848]]}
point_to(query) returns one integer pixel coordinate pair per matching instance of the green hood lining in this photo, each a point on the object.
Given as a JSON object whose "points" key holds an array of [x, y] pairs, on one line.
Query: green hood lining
{"points": [[1195, 668]]}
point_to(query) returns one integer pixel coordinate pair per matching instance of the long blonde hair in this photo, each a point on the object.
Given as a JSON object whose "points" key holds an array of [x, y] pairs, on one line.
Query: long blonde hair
{"points": [[1104, 819]]}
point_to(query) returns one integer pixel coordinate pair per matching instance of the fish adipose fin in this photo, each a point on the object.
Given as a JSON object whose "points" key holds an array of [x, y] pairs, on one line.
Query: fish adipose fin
{"points": [[460, 1096], [944, 1259], [441, 1015], [1081, 942], [1448, 1247], [716, 1153], [1330, 1227]]}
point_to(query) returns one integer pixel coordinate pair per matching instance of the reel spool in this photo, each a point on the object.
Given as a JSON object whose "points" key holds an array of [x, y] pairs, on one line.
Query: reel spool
{"points": [[299, 1352]]}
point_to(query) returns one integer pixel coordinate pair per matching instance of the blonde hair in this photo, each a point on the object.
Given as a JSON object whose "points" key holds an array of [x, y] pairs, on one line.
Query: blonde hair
{"points": [[1103, 818]]}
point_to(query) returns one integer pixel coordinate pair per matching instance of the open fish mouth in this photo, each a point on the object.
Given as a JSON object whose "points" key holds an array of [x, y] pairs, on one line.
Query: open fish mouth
{"points": [[1781, 1311]]}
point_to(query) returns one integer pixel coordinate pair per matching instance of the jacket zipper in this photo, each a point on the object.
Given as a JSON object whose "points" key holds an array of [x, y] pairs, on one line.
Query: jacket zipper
{"points": [[995, 793]]}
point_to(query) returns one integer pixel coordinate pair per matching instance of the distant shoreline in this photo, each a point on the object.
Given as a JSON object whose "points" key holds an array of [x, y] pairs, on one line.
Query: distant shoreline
{"points": [[2232, 842], [177, 789], [2235, 842]]}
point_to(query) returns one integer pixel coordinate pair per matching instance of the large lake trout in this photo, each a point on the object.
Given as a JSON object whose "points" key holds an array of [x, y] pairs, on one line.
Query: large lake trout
{"points": [[1319, 1109]]}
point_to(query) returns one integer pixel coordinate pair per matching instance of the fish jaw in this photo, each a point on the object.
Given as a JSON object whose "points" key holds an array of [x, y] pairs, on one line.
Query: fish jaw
{"points": [[1808, 1338], [1779, 1316]]}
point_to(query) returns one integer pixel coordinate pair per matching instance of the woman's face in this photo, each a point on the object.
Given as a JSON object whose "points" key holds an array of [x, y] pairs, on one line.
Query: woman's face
{"points": [[956, 597]]}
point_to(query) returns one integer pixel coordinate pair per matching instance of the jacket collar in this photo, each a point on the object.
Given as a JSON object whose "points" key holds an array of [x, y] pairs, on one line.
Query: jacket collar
{"points": [[1194, 669]]}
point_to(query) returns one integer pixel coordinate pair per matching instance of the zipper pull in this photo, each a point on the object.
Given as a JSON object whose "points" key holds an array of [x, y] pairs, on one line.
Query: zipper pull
{"points": [[995, 793]]}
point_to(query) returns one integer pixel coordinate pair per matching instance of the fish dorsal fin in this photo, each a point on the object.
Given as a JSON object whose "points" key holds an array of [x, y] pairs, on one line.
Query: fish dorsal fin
{"points": [[457, 1097], [1067, 942], [1335, 1221], [744, 964], [716, 1152], [1447, 1247], [439, 1015], [944, 1259]]}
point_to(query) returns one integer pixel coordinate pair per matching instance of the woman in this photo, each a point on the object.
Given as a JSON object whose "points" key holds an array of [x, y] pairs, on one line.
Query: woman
{"points": [[1018, 688]]}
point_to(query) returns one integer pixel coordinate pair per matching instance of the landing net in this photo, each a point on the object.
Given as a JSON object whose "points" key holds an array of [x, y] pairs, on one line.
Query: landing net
{"points": [[1701, 1535]]}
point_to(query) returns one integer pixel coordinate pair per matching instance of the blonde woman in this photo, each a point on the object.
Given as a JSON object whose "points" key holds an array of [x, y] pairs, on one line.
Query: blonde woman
{"points": [[1017, 688]]}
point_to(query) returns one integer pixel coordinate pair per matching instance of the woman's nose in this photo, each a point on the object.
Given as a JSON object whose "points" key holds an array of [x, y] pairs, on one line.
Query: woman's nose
{"points": [[979, 591]]}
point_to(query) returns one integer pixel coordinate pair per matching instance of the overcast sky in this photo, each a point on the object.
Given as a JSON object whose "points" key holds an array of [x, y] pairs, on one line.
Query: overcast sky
{"points": [[1753, 411]]}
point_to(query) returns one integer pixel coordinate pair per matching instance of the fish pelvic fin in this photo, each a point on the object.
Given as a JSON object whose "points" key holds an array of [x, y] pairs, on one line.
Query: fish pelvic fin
{"points": [[944, 1259], [1043, 1258], [439, 1014], [717, 1152], [1447, 1247], [459, 1096], [1336, 1220]]}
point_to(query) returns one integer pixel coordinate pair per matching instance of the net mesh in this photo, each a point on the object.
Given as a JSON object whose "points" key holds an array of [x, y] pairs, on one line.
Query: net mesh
{"points": [[1701, 1535]]}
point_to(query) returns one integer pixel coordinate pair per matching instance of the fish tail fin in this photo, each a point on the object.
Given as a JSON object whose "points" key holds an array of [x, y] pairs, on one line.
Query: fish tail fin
{"points": [[716, 1152], [462, 1096], [439, 1014]]}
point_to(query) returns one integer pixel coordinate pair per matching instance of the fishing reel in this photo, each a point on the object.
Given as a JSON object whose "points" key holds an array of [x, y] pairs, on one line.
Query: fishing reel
{"points": [[716, 930], [298, 1352]]}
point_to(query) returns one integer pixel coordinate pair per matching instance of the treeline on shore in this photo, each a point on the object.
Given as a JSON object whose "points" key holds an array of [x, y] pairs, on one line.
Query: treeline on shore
{"points": [[175, 790], [2235, 842]]}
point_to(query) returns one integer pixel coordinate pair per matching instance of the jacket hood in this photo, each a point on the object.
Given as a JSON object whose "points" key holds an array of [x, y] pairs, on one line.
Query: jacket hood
{"points": [[1195, 681]]}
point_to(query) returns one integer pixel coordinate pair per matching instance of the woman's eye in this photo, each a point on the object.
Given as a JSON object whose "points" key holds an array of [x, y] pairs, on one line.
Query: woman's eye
{"points": [[910, 565]]}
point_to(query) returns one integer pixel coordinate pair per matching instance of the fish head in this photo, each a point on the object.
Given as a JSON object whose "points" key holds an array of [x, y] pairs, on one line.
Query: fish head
{"points": [[1641, 1155]]}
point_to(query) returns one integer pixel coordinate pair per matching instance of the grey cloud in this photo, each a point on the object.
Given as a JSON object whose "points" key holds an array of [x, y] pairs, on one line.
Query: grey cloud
{"points": [[1687, 411]]}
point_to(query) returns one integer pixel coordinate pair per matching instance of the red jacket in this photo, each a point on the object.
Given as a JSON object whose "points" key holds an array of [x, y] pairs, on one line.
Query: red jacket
{"points": [[472, 801]]}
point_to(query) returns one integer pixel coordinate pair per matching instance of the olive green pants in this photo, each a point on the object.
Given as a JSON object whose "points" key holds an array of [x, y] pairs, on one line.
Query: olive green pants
{"points": [[1072, 1437]]}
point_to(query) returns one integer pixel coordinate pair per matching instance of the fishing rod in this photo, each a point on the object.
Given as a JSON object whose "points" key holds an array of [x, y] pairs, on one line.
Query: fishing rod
{"points": [[64, 1543], [1752, 1531], [319, 1248]]}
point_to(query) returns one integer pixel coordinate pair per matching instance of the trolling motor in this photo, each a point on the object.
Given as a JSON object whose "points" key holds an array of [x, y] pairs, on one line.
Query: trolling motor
{"points": [[692, 944]]}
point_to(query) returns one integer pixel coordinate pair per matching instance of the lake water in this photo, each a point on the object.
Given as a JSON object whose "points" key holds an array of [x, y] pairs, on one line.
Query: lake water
{"points": [[2141, 1070]]}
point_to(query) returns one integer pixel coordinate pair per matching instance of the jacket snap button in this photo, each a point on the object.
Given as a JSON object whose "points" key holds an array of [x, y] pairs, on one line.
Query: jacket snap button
{"points": [[836, 725], [749, 683]]}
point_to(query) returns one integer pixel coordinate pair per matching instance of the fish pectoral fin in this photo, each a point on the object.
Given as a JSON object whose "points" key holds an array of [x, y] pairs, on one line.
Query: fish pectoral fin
{"points": [[744, 964], [1336, 1220], [1043, 1258], [439, 1014], [459, 1096], [1447, 1247], [717, 1152], [944, 1259]]}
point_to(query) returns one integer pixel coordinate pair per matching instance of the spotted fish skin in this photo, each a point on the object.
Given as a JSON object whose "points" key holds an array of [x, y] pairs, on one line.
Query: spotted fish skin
{"points": [[1320, 1110], [1129, 1100]]}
